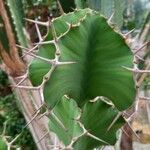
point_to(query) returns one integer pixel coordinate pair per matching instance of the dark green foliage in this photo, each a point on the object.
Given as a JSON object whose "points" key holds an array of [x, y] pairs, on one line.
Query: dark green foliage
{"points": [[67, 5], [10, 113], [4, 84], [15, 122], [3, 79], [17, 15]]}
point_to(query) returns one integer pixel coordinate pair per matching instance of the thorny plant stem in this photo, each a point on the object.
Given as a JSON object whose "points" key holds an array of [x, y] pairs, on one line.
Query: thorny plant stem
{"points": [[14, 56]]}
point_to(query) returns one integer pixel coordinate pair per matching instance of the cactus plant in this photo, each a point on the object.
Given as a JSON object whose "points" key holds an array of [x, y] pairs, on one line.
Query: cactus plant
{"points": [[98, 62], [108, 8], [88, 128], [17, 15], [83, 58]]}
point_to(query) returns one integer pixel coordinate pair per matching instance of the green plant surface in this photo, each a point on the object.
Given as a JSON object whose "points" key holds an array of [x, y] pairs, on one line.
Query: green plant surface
{"points": [[62, 27], [100, 54], [63, 122], [101, 120], [96, 117], [3, 145], [17, 15]]}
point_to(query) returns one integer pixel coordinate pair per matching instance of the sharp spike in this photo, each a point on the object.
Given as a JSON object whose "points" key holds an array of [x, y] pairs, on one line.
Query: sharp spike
{"points": [[55, 147], [14, 139], [58, 121], [39, 108], [65, 63], [42, 137], [22, 47], [41, 94], [75, 139], [110, 18], [138, 138], [44, 114], [27, 49], [140, 58], [114, 121], [38, 22], [25, 87], [96, 138], [125, 133], [144, 98], [21, 81], [45, 42], [128, 33], [4, 129], [32, 119], [144, 45], [38, 32], [39, 57], [136, 70], [60, 7]]}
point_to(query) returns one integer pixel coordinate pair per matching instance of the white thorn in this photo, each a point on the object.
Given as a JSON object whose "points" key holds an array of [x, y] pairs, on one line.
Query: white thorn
{"points": [[39, 57], [58, 121], [38, 22], [114, 121], [38, 32], [65, 63], [140, 58], [110, 18], [128, 33], [144, 98], [136, 70], [22, 80], [42, 137], [27, 50], [25, 87], [45, 42], [32, 118], [60, 7], [132, 130], [22, 47]]}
